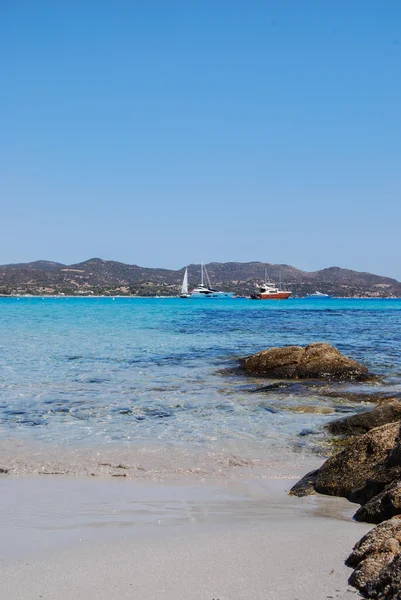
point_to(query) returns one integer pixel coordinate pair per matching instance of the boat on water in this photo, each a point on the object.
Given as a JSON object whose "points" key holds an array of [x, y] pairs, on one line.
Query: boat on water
{"points": [[204, 289], [184, 287], [269, 291], [319, 296]]}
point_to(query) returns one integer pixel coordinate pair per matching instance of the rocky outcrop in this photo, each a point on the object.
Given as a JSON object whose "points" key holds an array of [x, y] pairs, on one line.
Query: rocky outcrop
{"points": [[371, 557], [387, 584], [360, 471], [316, 361], [368, 471], [384, 506], [387, 412]]}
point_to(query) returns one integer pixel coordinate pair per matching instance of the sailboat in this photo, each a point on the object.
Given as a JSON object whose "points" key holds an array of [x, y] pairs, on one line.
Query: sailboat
{"points": [[184, 287], [206, 291]]}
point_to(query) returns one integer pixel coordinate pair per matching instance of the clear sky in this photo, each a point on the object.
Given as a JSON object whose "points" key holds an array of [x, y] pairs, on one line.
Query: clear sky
{"points": [[163, 132]]}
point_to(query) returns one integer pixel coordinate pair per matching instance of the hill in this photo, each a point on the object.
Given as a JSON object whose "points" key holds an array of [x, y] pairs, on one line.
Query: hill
{"points": [[97, 276]]}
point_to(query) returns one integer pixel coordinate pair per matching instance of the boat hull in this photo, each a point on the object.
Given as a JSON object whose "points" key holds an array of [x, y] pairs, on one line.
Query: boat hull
{"points": [[212, 295], [278, 296]]}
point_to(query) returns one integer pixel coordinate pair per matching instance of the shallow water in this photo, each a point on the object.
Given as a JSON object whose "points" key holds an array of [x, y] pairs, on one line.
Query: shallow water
{"points": [[143, 372], [41, 514]]}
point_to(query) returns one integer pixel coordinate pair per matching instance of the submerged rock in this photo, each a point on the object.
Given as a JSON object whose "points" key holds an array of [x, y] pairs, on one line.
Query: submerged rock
{"points": [[316, 361], [374, 397], [322, 410], [360, 471], [388, 412]]}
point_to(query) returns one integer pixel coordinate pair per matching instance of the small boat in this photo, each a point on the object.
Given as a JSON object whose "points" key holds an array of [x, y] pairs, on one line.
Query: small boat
{"points": [[268, 291], [206, 291], [184, 287], [318, 296]]}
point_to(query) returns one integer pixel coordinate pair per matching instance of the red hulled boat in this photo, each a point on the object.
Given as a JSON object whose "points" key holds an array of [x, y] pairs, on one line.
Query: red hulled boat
{"points": [[268, 291]]}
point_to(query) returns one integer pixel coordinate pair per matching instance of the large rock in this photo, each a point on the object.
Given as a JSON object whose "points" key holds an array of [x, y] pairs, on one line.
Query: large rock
{"points": [[316, 361], [388, 412], [372, 556], [382, 507], [387, 585], [360, 471]]}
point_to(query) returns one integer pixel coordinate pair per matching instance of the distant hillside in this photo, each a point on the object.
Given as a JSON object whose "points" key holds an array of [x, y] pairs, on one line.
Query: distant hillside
{"points": [[44, 265], [97, 276]]}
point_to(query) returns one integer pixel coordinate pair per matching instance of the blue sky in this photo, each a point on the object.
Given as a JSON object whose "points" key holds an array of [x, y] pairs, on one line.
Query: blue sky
{"points": [[165, 132]]}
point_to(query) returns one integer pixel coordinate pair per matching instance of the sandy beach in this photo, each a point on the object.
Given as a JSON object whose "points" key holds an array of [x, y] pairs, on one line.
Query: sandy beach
{"points": [[98, 539]]}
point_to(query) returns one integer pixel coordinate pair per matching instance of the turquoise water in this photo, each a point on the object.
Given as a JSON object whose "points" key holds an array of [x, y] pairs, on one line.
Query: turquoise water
{"points": [[136, 371]]}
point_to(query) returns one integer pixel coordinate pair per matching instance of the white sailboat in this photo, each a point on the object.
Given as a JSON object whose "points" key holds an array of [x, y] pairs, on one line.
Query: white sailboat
{"points": [[184, 287]]}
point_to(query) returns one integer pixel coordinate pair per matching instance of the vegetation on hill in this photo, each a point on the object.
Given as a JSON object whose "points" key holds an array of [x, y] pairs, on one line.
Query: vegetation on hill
{"points": [[98, 277]]}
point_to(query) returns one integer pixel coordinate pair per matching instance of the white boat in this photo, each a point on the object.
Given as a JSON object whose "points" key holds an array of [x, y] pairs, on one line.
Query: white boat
{"points": [[269, 291], [184, 287], [206, 291], [318, 295]]}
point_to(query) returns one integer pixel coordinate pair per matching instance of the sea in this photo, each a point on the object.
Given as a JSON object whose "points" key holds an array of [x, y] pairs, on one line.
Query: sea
{"points": [[150, 387]]}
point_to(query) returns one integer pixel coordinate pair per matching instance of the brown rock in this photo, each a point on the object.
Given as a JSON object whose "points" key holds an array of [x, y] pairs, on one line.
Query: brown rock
{"points": [[372, 555], [388, 412], [387, 585], [353, 396], [384, 506], [368, 571], [276, 362], [316, 361], [360, 471], [376, 542], [323, 410]]}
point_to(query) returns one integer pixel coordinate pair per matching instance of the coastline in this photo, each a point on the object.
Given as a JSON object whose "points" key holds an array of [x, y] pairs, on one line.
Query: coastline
{"points": [[169, 457], [246, 539], [115, 296]]}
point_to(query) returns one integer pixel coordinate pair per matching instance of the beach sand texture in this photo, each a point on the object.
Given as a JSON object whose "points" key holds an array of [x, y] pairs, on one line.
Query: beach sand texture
{"points": [[97, 540]]}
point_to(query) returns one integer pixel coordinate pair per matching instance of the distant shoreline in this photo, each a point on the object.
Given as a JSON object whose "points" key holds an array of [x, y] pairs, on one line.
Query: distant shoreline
{"points": [[111, 297]]}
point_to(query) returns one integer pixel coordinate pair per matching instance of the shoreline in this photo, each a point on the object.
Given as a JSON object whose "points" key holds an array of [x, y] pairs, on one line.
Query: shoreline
{"points": [[242, 539], [155, 462], [116, 296]]}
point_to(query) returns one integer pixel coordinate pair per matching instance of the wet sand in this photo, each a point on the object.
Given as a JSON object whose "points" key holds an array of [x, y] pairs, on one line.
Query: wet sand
{"points": [[246, 539]]}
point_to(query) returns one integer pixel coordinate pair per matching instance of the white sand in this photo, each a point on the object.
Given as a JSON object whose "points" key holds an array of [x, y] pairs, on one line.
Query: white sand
{"points": [[92, 540]]}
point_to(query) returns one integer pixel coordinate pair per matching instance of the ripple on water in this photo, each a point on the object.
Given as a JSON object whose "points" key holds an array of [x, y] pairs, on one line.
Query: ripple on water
{"points": [[138, 371]]}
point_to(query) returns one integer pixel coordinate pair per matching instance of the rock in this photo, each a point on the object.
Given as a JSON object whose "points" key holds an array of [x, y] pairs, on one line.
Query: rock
{"points": [[364, 576], [306, 485], [322, 410], [387, 585], [316, 361], [351, 396], [276, 362], [388, 412], [384, 538], [372, 555], [384, 506], [360, 471]]}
